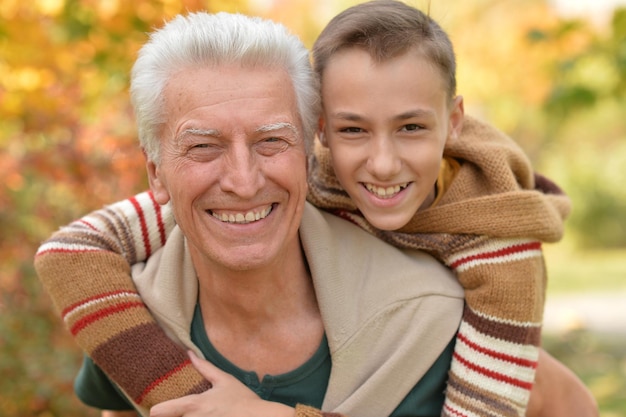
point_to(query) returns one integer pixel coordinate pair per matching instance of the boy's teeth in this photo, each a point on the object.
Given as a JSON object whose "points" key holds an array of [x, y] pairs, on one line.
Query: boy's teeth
{"points": [[243, 218], [385, 192]]}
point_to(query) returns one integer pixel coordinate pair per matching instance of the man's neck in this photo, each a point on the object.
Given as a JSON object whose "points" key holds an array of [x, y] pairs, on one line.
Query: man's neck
{"points": [[265, 320], [262, 290]]}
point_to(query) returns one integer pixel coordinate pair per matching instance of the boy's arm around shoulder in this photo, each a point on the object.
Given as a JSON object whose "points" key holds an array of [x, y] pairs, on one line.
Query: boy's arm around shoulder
{"points": [[91, 256], [85, 268]]}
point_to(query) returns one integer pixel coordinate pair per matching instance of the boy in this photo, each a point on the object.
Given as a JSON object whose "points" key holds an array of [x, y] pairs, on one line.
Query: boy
{"points": [[402, 163]]}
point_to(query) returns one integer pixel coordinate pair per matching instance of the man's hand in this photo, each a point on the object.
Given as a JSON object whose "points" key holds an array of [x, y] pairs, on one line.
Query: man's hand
{"points": [[227, 397]]}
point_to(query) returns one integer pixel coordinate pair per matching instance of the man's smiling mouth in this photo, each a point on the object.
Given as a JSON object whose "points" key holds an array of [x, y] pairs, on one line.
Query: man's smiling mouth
{"points": [[242, 217], [385, 192]]}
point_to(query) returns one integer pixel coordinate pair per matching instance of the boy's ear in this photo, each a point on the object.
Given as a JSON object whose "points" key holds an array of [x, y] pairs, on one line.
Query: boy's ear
{"points": [[320, 132], [159, 191], [457, 115]]}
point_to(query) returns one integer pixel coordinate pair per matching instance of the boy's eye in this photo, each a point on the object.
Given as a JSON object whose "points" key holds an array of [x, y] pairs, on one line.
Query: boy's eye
{"points": [[351, 130], [411, 127]]}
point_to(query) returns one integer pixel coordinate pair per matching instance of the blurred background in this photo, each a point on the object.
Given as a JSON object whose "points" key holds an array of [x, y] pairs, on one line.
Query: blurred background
{"points": [[552, 74]]}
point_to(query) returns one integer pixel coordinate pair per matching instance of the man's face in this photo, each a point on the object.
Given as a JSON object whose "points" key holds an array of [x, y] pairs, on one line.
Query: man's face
{"points": [[233, 164], [386, 125]]}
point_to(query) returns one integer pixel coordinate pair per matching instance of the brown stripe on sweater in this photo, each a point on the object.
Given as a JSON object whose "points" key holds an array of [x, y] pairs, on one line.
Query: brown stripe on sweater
{"points": [[117, 225], [185, 380], [477, 400], [111, 325], [511, 333], [119, 357]]}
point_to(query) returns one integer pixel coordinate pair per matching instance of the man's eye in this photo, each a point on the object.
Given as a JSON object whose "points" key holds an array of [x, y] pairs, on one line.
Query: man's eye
{"points": [[271, 146], [202, 151]]}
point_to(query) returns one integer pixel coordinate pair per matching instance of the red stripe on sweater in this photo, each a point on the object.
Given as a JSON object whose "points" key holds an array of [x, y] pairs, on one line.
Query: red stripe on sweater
{"points": [[453, 411], [95, 298], [65, 250], [144, 227], [158, 381], [498, 253], [100, 314], [160, 224], [497, 355], [493, 375], [89, 225]]}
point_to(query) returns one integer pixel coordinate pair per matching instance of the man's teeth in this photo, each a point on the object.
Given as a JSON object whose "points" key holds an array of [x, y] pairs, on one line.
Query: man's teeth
{"points": [[385, 192], [243, 218]]}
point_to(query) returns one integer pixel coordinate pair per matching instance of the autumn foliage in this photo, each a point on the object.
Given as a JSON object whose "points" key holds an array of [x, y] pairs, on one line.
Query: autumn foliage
{"points": [[68, 140]]}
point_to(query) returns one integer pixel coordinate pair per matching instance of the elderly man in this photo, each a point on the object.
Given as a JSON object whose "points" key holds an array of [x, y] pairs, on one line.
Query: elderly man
{"points": [[271, 287]]}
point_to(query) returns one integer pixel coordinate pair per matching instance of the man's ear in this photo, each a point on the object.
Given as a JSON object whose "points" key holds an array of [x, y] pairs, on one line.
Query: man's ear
{"points": [[457, 115], [321, 124], [157, 186]]}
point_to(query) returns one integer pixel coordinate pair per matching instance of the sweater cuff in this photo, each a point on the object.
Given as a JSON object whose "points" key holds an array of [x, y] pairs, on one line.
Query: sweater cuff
{"points": [[306, 411]]}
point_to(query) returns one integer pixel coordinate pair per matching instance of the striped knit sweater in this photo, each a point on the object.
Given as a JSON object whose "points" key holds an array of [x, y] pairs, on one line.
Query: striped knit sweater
{"points": [[488, 227]]}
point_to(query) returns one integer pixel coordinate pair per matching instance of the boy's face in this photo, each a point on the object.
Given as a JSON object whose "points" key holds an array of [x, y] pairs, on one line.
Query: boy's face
{"points": [[386, 125]]}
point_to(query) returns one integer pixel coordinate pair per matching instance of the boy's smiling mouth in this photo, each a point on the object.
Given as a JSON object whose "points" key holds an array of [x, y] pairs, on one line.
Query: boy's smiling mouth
{"points": [[385, 192]]}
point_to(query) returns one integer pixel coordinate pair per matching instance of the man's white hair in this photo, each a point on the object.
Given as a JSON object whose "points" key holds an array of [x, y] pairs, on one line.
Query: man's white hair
{"points": [[203, 39]]}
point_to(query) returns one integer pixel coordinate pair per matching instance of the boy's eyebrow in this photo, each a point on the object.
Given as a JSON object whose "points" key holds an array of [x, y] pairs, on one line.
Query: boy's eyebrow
{"points": [[415, 113], [347, 116], [402, 116]]}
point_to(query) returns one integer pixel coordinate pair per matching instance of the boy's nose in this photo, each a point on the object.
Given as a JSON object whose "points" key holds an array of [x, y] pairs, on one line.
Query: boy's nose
{"points": [[383, 162]]}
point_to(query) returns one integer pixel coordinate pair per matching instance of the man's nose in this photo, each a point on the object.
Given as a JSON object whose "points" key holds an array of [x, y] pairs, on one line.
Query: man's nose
{"points": [[241, 172], [383, 162]]}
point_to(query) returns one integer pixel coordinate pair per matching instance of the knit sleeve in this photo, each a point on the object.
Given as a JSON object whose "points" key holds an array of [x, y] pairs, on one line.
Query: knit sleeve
{"points": [[85, 268], [497, 345], [133, 228]]}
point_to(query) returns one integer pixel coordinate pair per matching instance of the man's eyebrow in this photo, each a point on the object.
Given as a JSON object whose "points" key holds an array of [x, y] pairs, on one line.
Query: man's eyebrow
{"points": [[200, 132], [277, 126]]}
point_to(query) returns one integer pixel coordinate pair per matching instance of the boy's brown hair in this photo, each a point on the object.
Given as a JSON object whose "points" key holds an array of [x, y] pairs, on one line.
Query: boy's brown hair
{"points": [[387, 29]]}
